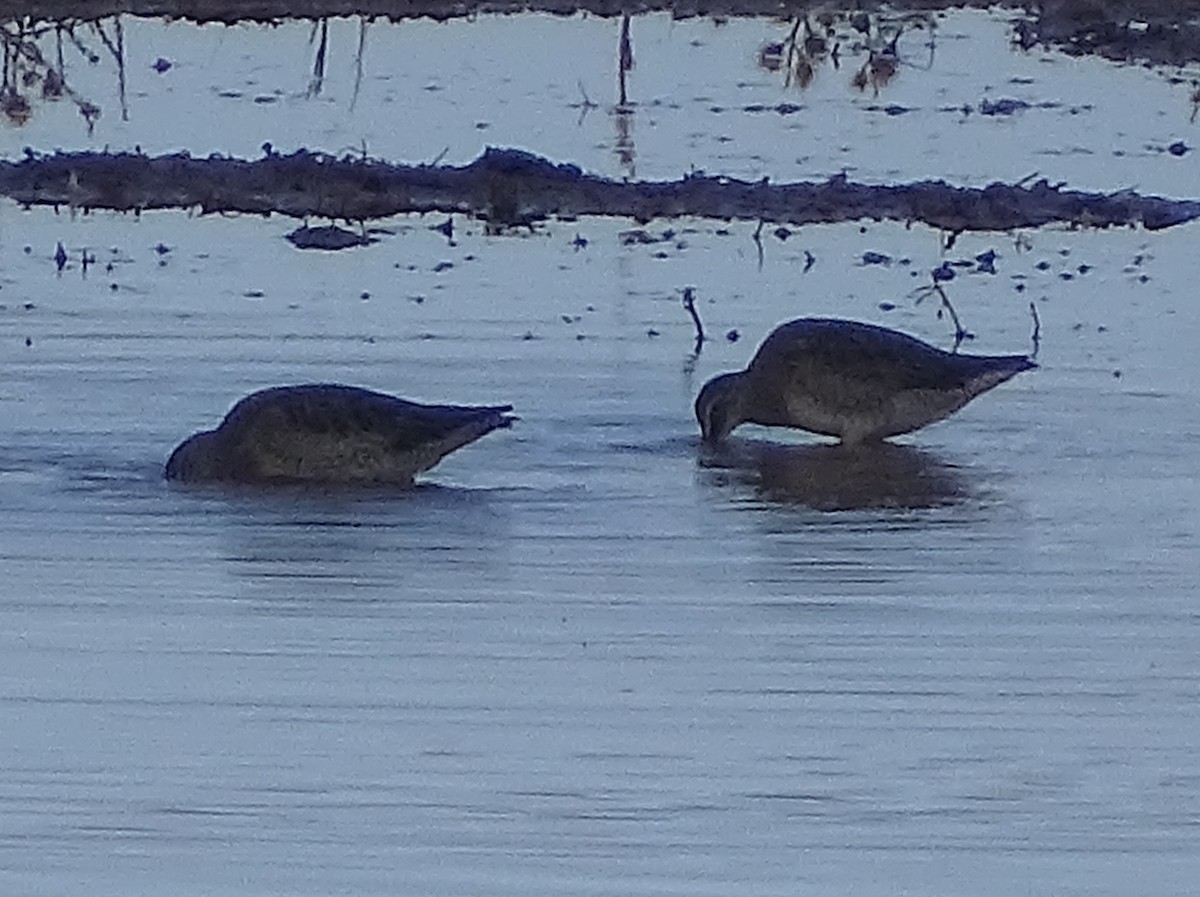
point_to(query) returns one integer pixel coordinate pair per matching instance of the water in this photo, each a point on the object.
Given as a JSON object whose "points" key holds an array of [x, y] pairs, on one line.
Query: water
{"points": [[585, 656]]}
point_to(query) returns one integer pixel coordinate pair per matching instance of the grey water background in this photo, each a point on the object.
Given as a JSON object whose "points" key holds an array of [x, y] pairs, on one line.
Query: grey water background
{"points": [[587, 657]]}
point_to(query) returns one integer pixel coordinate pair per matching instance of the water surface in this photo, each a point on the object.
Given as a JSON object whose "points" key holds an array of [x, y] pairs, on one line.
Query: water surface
{"points": [[586, 656]]}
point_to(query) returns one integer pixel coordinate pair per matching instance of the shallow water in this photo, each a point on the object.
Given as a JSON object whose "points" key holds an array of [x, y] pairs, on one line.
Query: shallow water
{"points": [[586, 656], [698, 98]]}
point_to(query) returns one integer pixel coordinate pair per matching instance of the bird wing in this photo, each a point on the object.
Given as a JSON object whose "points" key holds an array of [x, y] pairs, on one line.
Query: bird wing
{"points": [[294, 424], [862, 358]]}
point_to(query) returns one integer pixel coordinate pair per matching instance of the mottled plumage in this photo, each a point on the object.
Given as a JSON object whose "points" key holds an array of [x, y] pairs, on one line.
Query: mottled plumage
{"points": [[857, 382], [329, 433]]}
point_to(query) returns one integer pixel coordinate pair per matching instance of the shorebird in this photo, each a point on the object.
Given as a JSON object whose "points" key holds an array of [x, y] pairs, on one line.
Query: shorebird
{"points": [[328, 433], [858, 382]]}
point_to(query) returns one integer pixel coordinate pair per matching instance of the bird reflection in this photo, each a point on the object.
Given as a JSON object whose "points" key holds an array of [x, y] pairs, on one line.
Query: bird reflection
{"points": [[310, 548], [829, 477]]}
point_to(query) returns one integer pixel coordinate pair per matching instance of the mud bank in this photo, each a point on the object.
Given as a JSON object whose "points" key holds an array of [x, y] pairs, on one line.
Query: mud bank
{"points": [[396, 10], [510, 188], [1151, 31]]}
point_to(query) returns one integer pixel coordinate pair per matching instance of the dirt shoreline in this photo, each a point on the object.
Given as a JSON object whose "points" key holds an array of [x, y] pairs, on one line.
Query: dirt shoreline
{"points": [[396, 10], [511, 188], [1084, 11]]}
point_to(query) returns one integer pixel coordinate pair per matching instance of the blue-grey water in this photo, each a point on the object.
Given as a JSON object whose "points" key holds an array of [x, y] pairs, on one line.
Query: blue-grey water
{"points": [[586, 657]]}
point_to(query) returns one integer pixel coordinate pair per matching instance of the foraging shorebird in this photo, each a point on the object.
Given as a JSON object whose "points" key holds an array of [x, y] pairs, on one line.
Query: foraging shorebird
{"points": [[858, 382], [329, 433]]}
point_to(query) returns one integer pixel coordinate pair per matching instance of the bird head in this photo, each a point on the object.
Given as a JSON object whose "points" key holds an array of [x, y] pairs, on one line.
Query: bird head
{"points": [[719, 406], [196, 459]]}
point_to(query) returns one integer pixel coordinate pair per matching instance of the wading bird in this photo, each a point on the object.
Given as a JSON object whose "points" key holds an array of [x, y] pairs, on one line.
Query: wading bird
{"points": [[329, 433], [858, 382]]}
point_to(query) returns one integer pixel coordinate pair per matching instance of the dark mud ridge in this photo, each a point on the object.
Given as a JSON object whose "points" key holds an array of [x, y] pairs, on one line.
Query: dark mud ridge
{"points": [[1084, 11], [510, 188], [277, 10]]}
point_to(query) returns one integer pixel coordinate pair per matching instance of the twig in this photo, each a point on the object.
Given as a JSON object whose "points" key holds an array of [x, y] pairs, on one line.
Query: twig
{"points": [[624, 60], [83, 51], [790, 43], [358, 60], [117, 50], [758, 242], [1037, 330], [960, 333], [318, 73], [585, 105], [121, 69], [689, 303]]}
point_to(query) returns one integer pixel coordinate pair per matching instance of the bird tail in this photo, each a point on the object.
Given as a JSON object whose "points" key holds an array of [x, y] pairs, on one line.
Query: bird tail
{"points": [[992, 370], [506, 418], [475, 422]]}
